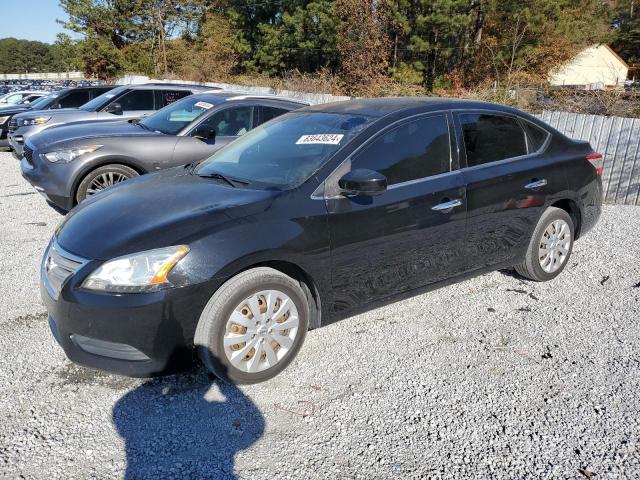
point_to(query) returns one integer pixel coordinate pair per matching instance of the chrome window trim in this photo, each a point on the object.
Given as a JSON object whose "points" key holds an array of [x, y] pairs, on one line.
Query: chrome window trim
{"points": [[518, 118]]}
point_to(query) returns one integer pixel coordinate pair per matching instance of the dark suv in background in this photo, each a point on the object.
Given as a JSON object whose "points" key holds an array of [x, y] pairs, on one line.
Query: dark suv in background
{"points": [[65, 98], [124, 102], [68, 163]]}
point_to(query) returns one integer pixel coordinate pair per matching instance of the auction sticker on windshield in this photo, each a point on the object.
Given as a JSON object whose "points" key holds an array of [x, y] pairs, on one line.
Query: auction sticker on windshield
{"points": [[325, 138], [205, 105]]}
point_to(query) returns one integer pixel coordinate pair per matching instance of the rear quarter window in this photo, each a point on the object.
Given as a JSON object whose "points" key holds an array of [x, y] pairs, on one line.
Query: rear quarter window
{"points": [[536, 136]]}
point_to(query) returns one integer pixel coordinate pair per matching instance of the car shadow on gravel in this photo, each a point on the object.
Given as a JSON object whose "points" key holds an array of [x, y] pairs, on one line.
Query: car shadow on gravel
{"points": [[186, 426]]}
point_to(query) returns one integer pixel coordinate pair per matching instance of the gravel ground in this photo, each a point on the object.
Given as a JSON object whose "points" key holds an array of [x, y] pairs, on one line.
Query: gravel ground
{"points": [[495, 377]]}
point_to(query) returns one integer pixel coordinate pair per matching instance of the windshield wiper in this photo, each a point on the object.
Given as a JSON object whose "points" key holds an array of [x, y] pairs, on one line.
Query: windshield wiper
{"points": [[219, 176]]}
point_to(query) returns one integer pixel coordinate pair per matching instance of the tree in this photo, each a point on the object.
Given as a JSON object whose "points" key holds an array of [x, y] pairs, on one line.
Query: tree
{"points": [[626, 39], [101, 59], [363, 44]]}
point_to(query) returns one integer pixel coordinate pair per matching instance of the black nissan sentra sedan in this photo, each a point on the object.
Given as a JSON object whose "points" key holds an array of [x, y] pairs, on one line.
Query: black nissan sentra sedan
{"points": [[315, 215]]}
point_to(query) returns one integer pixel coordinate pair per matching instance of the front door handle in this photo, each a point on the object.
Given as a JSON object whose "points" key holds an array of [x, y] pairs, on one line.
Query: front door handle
{"points": [[446, 207], [535, 184]]}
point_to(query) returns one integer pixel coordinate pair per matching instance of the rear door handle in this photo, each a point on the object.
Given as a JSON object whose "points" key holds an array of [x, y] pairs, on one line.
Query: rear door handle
{"points": [[536, 184], [447, 206]]}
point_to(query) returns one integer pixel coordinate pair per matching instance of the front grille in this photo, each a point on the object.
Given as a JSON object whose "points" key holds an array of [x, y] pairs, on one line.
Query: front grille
{"points": [[58, 267], [13, 125], [28, 155]]}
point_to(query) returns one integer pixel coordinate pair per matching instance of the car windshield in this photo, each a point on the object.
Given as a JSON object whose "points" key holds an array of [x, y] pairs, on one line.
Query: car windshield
{"points": [[99, 102], [175, 116], [287, 150]]}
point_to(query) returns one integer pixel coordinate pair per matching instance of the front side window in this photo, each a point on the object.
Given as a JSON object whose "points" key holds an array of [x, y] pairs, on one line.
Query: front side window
{"points": [[285, 152], [416, 149], [137, 100], [176, 116], [231, 122], [489, 138]]}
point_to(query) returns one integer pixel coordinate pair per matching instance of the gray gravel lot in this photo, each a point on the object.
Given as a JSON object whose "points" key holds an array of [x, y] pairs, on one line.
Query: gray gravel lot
{"points": [[495, 377]]}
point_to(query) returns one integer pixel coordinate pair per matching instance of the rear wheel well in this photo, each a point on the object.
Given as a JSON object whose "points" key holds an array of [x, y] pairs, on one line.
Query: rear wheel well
{"points": [[573, 210], [307, 283]]}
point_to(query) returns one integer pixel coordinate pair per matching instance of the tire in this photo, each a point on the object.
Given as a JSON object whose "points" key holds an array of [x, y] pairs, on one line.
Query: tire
{"points": [[533, 266], [215, 323], [119, 171]]}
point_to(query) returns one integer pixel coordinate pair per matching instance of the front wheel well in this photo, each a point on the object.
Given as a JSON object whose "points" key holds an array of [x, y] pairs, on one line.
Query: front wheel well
{"points": [[307, 283], [573, 210], [106, 161]]}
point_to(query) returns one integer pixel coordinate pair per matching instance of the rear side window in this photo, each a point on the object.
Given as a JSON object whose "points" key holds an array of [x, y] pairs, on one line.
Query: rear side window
{"points": [[74, 99], [536, 136], [269, 113], [489, 138], [411, 151], [167, 97], [137, 100]]}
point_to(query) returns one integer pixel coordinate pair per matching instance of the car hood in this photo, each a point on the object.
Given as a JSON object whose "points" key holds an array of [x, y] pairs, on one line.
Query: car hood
{"points": [[90, 131], [171, 207], [13, 109]]}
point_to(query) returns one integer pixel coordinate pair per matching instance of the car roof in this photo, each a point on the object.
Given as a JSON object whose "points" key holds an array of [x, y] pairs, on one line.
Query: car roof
{"points": [[218, 97], [380, 107], [172, 86]]}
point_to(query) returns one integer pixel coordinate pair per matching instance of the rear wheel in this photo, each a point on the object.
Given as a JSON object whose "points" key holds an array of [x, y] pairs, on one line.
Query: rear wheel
{"points": [[253, 326], [103, 177], [550, 246]]}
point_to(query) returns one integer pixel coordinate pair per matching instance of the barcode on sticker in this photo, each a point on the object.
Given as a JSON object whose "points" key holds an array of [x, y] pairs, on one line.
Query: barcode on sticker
{"points": [[326, 138]]}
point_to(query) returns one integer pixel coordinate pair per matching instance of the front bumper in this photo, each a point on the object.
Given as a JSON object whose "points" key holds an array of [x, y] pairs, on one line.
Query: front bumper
{"points": [[51, 184], [138, 335]]}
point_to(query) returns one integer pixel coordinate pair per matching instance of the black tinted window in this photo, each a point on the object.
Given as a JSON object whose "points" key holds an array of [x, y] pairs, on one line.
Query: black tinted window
{"points": [[410, 151], [137, 100], [488, 138], [167, 97], [74, 99], [231, 122], [535, 136], [271, 112]]}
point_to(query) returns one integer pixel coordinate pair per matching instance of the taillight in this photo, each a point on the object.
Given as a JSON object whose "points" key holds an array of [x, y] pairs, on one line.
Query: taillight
{"points": [[597, 161]]}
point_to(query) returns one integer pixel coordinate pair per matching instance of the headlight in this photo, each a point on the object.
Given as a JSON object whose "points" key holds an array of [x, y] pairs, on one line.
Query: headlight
{"points": [[141, 272], [34, 121], [3, 120], [66, 156]]}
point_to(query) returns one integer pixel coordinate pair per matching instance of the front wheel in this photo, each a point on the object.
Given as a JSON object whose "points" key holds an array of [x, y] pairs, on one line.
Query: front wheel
{"points": [[550, 246], [103, 177], [253, 326]]}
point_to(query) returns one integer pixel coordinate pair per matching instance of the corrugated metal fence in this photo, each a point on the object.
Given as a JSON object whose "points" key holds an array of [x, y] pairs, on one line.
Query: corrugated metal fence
{"points": [[618, 139]]}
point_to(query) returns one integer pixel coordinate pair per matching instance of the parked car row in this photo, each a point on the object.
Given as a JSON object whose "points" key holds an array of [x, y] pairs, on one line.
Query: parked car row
{"points": [[266, 217]]}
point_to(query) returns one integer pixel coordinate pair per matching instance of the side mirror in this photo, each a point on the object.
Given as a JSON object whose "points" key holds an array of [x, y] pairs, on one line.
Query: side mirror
{"points": [[56, 106], [204, 133], [114, 108], [362, 181]]}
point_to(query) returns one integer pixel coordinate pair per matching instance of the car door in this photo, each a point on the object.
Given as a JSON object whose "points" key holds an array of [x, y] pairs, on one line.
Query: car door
{"points": [[413, 233], [508, 181]]}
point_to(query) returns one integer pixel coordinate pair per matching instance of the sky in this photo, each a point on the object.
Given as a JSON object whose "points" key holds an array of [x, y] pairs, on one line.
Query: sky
{"points": [[31, 19]]}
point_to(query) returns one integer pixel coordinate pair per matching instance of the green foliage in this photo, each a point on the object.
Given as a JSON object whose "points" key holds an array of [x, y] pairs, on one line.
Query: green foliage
{"points": [[23, 56], [373, 46]]}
